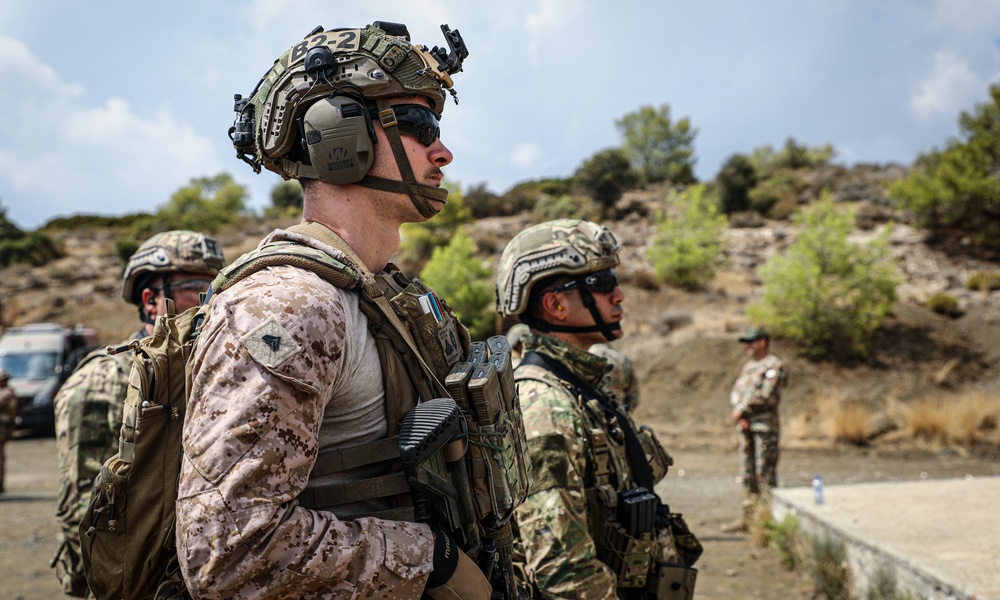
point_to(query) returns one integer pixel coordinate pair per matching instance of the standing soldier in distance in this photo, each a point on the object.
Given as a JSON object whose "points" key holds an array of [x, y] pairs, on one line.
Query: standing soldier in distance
{"points": [[293, 378], [755, 398], [10, 407], [619, 380], [587, 454], [176, 265]]}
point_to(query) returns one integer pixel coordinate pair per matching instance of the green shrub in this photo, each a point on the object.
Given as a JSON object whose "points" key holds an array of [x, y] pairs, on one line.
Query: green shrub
{"points": [[784, 536], [566, 207], [777, 195], [606, 175], [419, 240], [685, 249], [736, 178], [825, 293], [828, 568], [462, 281], [986, 281], [34, 248], [943, 304], [99, 221], [203, 205]]}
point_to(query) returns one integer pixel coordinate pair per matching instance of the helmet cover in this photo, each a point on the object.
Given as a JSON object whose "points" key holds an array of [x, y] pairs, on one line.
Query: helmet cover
{"points": [[559, 247], [369, 62], [177, 251]]}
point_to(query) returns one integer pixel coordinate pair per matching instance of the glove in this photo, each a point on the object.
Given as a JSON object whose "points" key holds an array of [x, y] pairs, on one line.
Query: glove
{"points": [[455, 576]]}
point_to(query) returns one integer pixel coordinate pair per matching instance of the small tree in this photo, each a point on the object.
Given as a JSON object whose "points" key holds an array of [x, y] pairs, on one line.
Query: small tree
{"points": [[455, 274], [659, 148], [825, 293], [203, 205], [606, 175], [736, 178], [286, 198], [685, 249], [959, 187]]}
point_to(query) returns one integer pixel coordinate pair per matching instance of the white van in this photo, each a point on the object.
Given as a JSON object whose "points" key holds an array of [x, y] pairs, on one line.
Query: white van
{"points": [[39, 358]]}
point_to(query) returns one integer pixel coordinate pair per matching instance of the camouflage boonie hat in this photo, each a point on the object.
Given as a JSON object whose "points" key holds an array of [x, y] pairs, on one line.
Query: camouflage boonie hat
{"points": [[559, 247], [177, 251], [373, 62], [754, 333]]}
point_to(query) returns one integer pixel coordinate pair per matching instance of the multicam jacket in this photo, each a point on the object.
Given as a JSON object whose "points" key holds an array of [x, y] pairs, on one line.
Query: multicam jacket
{"points": [[555, 522], [757, 392], [88, 421], [284, 367]]}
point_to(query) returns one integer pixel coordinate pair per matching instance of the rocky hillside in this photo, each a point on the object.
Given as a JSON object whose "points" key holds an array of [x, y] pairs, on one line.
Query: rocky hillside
{"points": [[683, 344]]}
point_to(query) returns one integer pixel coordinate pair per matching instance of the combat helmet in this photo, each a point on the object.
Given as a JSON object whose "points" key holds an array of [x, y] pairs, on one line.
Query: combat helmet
{"points": [[177, 251], [311, 115], [543, 252]]}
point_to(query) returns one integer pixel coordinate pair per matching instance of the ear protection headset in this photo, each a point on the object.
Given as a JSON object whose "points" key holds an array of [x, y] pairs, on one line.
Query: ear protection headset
{"points": [[339, 137]]}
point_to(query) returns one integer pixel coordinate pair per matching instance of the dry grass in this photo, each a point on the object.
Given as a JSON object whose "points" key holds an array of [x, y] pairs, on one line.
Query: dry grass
{"points": [[964, 417], [848, 420]]}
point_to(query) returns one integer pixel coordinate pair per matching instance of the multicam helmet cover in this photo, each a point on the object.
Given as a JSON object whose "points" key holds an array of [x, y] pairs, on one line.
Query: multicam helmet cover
{"points": [[376, 63], [177, 251], [559, 247]]}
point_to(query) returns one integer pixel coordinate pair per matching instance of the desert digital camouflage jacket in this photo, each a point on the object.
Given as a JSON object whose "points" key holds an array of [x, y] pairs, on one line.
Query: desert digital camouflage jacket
{"points": [[284, 367], [757, 392], [554, 523]]}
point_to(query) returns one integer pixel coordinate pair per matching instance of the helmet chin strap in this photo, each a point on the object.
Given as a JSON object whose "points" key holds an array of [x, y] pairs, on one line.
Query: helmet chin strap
{"points": [[419, 193], [606, 329]]}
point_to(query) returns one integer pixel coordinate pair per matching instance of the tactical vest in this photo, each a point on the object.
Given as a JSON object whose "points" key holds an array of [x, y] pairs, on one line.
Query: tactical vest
{"points": [[610, 478], [416, 351]]}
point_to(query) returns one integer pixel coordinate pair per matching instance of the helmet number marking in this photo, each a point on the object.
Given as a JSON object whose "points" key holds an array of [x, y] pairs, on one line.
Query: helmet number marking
{"points": [[345, 40]]}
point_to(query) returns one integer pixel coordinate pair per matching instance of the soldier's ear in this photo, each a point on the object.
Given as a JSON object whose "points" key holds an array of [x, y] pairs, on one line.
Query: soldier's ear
{"points": [[552, 309]]}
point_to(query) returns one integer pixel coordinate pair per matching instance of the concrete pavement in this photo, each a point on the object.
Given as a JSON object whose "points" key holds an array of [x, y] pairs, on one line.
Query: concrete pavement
{"points": [[939, 539]]}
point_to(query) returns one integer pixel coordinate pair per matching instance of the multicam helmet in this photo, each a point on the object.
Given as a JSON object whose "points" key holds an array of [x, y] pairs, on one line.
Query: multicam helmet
{"points": [[355, 71], [560, 247], [176, 251]]}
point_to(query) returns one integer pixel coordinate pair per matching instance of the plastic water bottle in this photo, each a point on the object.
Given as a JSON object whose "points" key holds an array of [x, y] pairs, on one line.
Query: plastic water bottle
{"points": [[818, 489]]}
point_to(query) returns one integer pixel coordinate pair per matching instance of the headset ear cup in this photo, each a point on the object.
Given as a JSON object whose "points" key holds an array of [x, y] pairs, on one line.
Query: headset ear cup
{"points": [[338, 139]]}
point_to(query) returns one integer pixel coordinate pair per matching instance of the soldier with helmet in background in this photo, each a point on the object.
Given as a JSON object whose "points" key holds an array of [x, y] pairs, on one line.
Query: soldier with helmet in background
{"points": [[591, 526], [303, 372], [10, 407], [619, 380], [175, 266]]}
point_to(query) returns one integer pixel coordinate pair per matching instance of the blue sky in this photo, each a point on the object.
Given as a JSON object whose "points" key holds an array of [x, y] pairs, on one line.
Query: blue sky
{"points": [[109, 107]]}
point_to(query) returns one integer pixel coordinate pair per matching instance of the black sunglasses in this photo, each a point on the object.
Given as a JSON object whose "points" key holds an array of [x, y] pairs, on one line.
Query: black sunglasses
{"points": [[602, 282], [418, 121]]}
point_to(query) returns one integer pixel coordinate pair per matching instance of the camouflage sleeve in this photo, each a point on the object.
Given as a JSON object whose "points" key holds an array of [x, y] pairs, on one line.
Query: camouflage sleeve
{"points": [[767, 392], [553, 521], [88, 411], [250, 442]]}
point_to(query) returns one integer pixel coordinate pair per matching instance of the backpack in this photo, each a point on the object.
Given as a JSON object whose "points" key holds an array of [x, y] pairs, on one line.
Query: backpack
{"points": [[127, 533]]}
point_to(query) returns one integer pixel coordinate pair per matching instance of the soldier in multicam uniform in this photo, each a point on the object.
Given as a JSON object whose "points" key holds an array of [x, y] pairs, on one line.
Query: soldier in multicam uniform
{"points": [[10, 407], [587, 454], [620, 380], [288, 371], [176, 265], [754, 398]]}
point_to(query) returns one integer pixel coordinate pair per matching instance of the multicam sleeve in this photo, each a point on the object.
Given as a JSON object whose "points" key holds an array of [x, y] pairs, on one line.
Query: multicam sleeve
{"points": [[250, 442], [553, 521]]}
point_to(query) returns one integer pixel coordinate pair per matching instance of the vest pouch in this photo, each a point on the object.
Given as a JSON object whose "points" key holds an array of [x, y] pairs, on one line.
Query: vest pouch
{"points": [[659, 459], [675, 582], [433, 326], [630, 558]]}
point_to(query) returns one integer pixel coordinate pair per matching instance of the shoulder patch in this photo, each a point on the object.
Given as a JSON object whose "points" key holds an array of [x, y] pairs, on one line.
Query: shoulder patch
{"points": [[770, 374], [269, 343]]}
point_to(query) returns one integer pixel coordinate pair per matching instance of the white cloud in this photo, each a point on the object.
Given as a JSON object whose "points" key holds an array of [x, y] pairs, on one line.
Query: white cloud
{"points": [[526, 155], [945, 89], [550, 17]]}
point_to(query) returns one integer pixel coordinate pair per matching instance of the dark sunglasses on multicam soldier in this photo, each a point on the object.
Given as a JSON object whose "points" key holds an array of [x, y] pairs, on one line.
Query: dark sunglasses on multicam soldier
{"points": [[602, 282], [418, 121]]}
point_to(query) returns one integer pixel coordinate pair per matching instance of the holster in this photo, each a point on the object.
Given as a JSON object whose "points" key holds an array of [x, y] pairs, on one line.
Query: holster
{"points": [[674, 582]]}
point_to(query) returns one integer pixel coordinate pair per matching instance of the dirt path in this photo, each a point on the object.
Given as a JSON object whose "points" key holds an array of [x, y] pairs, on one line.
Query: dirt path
{"points": [[702, 486]]}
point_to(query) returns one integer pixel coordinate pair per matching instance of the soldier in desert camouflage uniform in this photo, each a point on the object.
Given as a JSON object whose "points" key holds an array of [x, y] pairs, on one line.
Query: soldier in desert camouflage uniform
{"points": [[10, 407], [620, 380], [289, 395], [754, 399], [178, 265], [586, 453]]}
